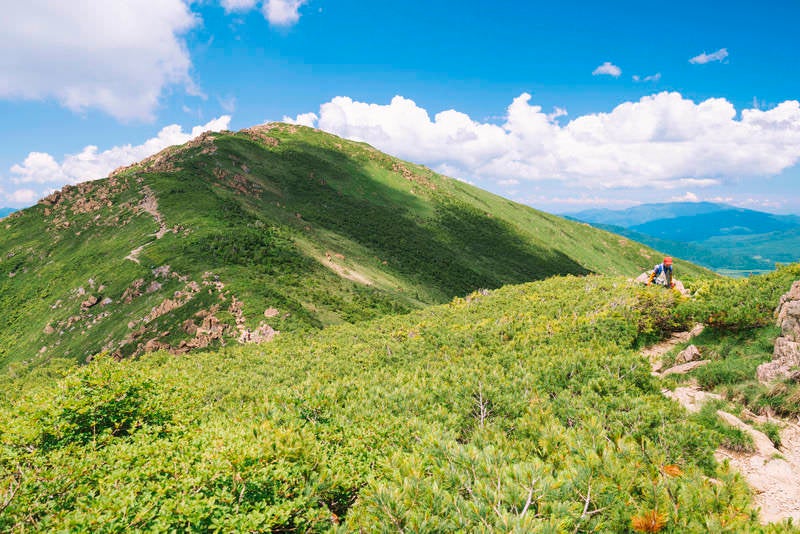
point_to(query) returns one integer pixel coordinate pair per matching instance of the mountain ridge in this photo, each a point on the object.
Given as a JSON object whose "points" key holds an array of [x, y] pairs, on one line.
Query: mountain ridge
{"points": [[235, 236]]}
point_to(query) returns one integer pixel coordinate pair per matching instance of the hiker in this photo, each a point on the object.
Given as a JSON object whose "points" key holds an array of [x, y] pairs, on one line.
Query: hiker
{"points": [[664, 268]]}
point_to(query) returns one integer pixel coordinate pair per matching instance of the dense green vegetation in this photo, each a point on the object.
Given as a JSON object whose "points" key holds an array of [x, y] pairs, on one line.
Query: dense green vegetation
{"points": [[523, 409], [277, 227]]}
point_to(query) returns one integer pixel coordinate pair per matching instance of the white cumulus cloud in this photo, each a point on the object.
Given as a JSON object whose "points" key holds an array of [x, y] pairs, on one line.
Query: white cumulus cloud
{"points": [[43, 170], [304, 119], [662, 141], [283, 12], [703, 58], [277, 12], [607, 68], [112, 55], [22, 196]]}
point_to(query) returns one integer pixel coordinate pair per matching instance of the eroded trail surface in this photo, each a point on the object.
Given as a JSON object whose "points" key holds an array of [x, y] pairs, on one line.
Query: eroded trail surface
{"points": [[773, 473], [149, 204]]}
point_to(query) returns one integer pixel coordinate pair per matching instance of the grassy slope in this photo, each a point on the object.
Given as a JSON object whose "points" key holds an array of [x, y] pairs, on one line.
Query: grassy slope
{"points": [[526, 409], [258, 212]]}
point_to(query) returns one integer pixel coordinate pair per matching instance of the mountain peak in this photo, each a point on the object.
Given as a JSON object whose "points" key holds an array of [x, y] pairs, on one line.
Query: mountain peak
{"points": [[236, 235]]}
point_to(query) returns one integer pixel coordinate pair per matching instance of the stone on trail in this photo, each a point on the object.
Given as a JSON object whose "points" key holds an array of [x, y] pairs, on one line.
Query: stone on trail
{"points": [[685, 367], [689, 354]]}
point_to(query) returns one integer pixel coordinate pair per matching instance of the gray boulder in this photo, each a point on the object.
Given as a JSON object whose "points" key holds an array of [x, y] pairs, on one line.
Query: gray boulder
{"points": [[786, 355]]}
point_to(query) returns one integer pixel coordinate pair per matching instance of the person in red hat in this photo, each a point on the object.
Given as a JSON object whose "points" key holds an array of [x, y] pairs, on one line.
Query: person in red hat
{"points": [[664, 268]]}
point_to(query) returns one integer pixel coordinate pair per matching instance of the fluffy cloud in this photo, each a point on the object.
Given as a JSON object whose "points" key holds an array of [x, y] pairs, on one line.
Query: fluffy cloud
{"points": [[661, 141], [43, 170], [22, 196], [607, 68], [277, 12], [113, 55], [282, 12], [704, 58], [304, 119]]}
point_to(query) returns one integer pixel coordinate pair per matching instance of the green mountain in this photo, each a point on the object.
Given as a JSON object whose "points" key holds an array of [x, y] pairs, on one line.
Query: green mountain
{"points": [[235, 236], [524, 409]]}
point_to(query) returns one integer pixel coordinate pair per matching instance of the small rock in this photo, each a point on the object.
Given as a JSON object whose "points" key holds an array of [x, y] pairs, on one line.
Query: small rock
{"points": [[106, 301], [271, 312], [89, 302], [153, 287], [685, 367], [689, 354], [49, 329], [696, 330]]}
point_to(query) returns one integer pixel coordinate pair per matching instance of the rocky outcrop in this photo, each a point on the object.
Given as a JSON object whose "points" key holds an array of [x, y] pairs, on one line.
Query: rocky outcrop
{"points": [[786, 356], [689, 354], [261, 133]]}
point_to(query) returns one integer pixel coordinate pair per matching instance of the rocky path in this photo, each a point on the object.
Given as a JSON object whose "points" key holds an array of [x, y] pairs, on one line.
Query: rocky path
{"points": [[772, 473], [149, 204]]}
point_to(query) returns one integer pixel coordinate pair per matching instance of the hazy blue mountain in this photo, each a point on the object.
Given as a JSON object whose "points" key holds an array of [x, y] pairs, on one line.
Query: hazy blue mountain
{"points": [[720, 237], [6, 211], [645, 213], [729, 222]]}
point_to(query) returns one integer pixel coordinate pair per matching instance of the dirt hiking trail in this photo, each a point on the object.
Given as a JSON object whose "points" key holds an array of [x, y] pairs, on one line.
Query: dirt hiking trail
{"points": [[149, 204], [772, 473]]}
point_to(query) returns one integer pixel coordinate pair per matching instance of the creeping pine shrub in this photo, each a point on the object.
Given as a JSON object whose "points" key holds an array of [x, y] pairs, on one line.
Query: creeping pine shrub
{"points": [[656, 315], [99, 402], [739, 304]]}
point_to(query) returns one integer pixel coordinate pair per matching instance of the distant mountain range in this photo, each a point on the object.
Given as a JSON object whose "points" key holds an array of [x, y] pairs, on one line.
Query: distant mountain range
{"points": [[6, 211], [722, 237]]}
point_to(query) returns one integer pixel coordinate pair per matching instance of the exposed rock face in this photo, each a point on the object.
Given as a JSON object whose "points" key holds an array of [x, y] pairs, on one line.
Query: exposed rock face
{"points": [[786, 357], [261, 334], [689, 354]]}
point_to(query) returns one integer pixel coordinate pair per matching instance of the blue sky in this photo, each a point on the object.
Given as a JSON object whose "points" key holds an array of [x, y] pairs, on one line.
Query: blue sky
{"points": [[561, 105]]}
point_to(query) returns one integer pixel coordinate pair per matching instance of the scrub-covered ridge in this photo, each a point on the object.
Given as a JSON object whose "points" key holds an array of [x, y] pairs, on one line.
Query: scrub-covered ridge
{"points": [[234, 237]]}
